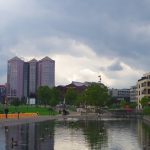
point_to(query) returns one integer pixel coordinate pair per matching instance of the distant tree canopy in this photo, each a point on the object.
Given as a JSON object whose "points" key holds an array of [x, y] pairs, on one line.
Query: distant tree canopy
{"points": [[97, 95], [55, 97], [48, 96], [71, 96], [15, 102], [145, 101]]}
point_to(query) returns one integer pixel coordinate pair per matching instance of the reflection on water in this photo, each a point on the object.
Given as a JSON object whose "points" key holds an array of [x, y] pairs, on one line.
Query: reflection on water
{"points": [[80, 135], [39, 136]]}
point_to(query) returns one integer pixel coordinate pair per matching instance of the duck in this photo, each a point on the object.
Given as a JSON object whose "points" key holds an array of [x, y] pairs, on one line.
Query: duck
{"points": [[14, 143], [6, 129], [42, 138]]}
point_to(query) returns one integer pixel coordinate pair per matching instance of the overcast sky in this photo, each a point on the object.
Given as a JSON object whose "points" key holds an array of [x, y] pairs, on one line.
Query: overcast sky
{"points": [[86, 38]]}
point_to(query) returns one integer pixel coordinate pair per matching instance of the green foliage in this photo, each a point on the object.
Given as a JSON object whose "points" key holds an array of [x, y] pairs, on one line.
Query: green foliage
{"points": [[133, 105], [80, 99], [16, 102], [96, 95], [44, 94], [55, 97], [123, 103], [145, 101], [32, 109], [48, 96], [146, 110], [71, 96]]}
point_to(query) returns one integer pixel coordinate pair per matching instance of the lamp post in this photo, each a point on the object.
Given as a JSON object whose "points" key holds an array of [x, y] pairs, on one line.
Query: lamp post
{"points": [[6, 107]]}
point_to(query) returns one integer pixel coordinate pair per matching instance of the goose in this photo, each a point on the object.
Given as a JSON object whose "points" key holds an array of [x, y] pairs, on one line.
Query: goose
{"points": [[14, 143], [42, 138]]}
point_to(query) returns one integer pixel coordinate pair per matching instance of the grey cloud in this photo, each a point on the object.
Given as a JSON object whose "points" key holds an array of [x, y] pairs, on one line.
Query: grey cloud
{"points": [[108, 27], [115, 67]]}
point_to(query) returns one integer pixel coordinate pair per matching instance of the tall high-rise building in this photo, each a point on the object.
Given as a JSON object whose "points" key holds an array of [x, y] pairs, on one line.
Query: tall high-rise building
{"points": [[32, 77], [46, 72], [23, 78], [15, 77], [26, 79]]}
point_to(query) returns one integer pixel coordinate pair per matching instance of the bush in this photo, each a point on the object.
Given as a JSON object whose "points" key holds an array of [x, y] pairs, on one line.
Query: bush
{"points": [[146, 110]]}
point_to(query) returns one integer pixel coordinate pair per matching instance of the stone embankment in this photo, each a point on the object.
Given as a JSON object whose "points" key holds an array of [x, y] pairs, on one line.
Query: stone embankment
{"points": [[71, 117], [147, 119]]}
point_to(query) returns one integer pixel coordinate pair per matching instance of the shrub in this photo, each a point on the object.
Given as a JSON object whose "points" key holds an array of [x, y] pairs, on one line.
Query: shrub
{"points": [[146, 110]]}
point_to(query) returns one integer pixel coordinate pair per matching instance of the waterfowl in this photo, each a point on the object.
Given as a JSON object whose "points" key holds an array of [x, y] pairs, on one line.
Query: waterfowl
{"points": [[42, 138], [14, 143]]}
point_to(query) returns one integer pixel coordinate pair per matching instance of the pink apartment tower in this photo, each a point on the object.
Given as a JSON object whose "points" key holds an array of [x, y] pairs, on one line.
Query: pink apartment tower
{"points": [[24, 78]]}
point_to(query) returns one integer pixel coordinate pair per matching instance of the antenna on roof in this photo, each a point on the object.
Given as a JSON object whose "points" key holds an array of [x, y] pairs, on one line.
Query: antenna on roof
{"points": [[100, 79]]}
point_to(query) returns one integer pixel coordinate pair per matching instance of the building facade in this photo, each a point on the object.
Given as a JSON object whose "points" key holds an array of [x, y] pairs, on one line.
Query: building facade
{"points": [[133, 94], [46, 72], [23, 78], [15, 78], [2, 92], [143, 88], [32, 77], [120, 94], [26, 79]]}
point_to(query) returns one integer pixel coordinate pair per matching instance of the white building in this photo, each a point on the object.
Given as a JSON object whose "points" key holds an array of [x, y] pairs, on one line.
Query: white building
{"points": [[143, 88], [120, 94], [133, 94]]}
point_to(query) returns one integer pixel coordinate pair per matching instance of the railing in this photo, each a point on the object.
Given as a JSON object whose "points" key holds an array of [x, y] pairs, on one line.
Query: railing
{"points": [[18, 115], [125, 113]]}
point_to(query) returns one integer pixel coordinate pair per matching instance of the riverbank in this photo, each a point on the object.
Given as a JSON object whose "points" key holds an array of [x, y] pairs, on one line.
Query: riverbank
{"points": [[74, 116], [12, 122], [146, 119]]}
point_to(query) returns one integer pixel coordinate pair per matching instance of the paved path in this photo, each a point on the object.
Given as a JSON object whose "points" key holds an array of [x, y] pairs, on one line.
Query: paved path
{"points": [[72, 116], [147, 119], [10, 122]]}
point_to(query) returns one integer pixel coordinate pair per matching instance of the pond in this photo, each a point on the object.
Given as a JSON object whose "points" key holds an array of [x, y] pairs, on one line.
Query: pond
{"points": [[77, 135]]}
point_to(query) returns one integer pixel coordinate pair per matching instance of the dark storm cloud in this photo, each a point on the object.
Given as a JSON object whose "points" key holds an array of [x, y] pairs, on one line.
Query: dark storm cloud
{"points": [[115, 67], [113, 29]]}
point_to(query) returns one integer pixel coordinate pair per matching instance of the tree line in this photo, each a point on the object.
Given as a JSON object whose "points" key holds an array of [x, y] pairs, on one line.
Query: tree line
{"points": [[94, 95]]}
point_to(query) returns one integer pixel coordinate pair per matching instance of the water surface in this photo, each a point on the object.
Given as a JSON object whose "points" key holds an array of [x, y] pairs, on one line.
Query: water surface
{"points": [[77, 135]]}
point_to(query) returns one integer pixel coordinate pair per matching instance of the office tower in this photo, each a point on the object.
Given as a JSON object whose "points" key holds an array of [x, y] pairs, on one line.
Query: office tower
{"points": [[15, 78], [26, 80], [23, 78], [32, 77], [46, 72]]}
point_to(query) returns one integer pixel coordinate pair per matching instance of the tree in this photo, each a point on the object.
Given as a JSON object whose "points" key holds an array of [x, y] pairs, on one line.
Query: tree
{"points": [[145, 101], [56, 97], [123, 104], [81, 99], [16, 102], [44, 94], [97, 95], [71, 96], [133, 105]]}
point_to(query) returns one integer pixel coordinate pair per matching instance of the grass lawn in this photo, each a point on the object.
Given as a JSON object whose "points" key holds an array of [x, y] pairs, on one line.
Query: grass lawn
{"points": [[30, 109]]}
